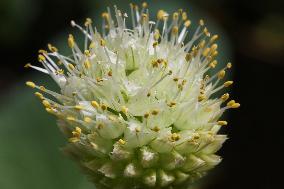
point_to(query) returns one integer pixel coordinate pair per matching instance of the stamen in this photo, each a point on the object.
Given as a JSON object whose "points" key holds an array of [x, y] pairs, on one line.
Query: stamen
{"points": [[121, 141], [71, 42], [221, 123], [228, 83], [30, 84]]}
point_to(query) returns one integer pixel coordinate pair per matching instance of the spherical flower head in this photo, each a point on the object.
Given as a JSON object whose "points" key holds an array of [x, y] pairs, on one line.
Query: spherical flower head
{"points": [[137, 104]]}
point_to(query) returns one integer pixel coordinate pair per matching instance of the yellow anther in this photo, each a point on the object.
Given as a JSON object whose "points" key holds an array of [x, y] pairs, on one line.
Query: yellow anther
{"points": [[225, 97], [103, 106], [221, 123], [180, 87], [87, 53], [99, 79], [214, 38], [221, 74], [201, 22], [105, 15], [42, 88], [213, 47], [109, 73], [161, 14], [228, 83], [146, 115], [88, 22], [213, 64], [194, 50], [52, 48], [160, 61], [70, 118], [209, 58], [165, 63], [188, 57], [74, 140], [157, 34], [41, 51], [201, 97], [144, 5], [46, 103], [124, 109], [77, 132], [187, 23], [79, 107], [121, 141], [87, 64], [137, 129], [144, 16], [49, 110], [155, 44], [196, 136], [76, 135], [39, 95], [206, 52], [230, 103], [175, 30], [71, 41], [95, 104], [155, 112], [229, 65], [175, 79], [71, 66], [206, 32], [60, 71], [27, 65], [154, 63], [88, 119], [171, 104], [184, 16], [175, 137], [175, 16], [41, 58], [156, 129], [214, 54], [30, 84], [100, 126], [207, 77], [235, 105], [183, 82], [102, 42]]}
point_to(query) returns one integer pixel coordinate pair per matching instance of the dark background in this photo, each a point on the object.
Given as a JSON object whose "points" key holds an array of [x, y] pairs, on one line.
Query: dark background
{"points": [[254, 32]]}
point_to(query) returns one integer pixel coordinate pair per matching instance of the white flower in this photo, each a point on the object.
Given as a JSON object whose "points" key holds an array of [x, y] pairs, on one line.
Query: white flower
{"points": [[137, 103]]}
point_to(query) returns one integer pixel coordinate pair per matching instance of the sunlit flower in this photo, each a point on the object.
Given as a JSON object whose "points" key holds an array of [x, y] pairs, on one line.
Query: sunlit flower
{"points": [[138, 104]]}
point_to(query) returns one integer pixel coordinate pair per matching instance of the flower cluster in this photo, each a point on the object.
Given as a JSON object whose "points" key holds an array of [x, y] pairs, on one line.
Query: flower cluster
{"points": [[138, 104]]}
